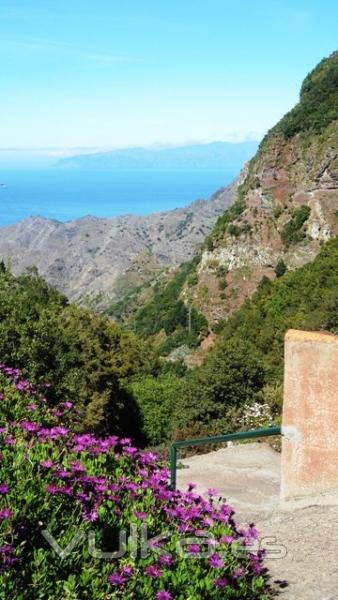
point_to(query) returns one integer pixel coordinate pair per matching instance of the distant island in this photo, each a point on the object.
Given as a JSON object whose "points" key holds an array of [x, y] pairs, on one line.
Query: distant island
{"points": [[213, 156]]}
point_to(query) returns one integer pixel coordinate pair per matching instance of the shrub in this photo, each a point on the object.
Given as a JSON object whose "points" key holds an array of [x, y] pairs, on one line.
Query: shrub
{"points": [[292, 231], [234, 230], [57, 484], [87, 356], [280, 268], [318, 105], [192, 279]]}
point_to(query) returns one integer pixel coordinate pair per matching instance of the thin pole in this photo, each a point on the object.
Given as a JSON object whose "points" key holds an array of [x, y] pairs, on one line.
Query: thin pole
{"points": [[173, 461]]}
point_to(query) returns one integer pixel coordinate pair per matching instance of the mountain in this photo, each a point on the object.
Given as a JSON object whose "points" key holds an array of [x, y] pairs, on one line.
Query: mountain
{"points": [[95, 259], [286, 205], [214, 156]]}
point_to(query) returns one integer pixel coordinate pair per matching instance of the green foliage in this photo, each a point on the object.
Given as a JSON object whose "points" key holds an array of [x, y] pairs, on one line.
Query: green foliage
{"points": [[280, 268], [292, 231], [156, 399], [166, 311], [248, 355], [302, 299], [318, 105], [234, 230], [232, 376], [87, 356], [108, 508], [192, 279], [222, 284], [231, 214], [222, 271]]}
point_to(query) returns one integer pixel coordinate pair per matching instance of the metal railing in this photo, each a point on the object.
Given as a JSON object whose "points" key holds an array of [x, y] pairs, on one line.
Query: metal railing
{"points": [[229, 437]]}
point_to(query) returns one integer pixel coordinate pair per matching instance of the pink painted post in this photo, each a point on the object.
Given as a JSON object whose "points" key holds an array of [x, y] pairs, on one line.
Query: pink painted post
{"points": [[310, 415]]}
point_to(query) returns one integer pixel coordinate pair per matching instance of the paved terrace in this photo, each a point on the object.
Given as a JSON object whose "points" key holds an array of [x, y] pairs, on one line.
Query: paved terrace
{"points": [[248, 476]]}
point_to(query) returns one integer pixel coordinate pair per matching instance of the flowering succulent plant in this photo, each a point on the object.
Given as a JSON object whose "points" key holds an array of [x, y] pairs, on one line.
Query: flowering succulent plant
{"points": [[86, 517]]}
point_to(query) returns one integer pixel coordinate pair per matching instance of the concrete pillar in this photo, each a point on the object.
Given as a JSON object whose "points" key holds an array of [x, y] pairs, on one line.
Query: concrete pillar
{"points": [[310, 416]]}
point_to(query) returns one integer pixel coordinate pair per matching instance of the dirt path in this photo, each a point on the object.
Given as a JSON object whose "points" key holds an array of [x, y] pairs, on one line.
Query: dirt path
{"points": [[305, 563]]}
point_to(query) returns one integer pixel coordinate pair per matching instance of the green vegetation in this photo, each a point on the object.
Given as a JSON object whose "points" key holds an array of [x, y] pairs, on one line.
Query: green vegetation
{"points": [[88, 357], [214, 394], [156, 399], [222, 284], [318, 105], [167, 312], [247, 361], [225, 220], [280, 268], [101, 501], [292, 231]]}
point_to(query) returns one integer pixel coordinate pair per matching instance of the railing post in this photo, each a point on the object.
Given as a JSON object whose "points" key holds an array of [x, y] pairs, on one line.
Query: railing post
{"points": [[173, 466]]}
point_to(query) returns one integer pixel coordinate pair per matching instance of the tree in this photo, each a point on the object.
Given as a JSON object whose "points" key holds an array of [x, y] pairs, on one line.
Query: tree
{"points": [[280, 268]]}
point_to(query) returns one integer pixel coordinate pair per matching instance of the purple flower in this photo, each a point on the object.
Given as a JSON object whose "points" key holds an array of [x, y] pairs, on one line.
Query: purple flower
{"points": [[5, 513], [238, 573], [129, 450], [216, 562], [4, 488], [221, 582], [68, 404], [47, 464], [125, 441], [153, 571], [127, 570], [77, 467], [28, 426], [62, 474], [141, 515], [6, 549], [191, 487], [163, 595], [166, 560], [9, 440], [227, 539], [116, 579], [193, 549], [91, 516]]}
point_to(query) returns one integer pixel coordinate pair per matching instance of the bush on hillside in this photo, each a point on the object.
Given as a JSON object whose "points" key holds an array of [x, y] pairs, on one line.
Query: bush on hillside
{"points": [[87, 356], [318, 105], [292, 231]]}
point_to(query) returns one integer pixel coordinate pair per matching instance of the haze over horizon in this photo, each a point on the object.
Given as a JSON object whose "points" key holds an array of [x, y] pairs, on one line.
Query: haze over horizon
{"points": [[143, 73]]}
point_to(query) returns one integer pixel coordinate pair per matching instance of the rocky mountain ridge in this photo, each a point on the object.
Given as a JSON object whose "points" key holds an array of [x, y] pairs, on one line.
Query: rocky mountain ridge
{"points": [[286, 205], [89, 259]]}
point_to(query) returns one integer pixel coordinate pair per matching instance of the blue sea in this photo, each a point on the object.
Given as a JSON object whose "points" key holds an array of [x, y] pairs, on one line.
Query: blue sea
{"points": [[65, 194]]}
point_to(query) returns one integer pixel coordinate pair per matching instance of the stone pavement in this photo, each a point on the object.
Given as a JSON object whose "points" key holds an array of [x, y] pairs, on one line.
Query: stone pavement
{"points": [[306, 539]]}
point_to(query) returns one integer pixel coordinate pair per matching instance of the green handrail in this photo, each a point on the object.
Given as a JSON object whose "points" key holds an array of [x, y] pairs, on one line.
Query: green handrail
{"points": [[229, 437]]}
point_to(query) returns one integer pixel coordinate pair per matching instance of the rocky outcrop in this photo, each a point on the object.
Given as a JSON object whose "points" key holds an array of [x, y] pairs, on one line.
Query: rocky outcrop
{"points": [[287, 203]]}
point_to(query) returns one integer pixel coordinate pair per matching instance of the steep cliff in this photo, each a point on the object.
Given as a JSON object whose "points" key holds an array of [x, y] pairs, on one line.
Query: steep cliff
{"points": [[286, 205]]}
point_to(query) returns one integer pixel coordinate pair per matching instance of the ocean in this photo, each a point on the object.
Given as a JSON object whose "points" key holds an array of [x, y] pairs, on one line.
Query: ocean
{"points": [[70, 194]]}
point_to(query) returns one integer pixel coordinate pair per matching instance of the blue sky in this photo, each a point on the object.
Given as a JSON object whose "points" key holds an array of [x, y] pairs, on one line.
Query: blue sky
{"points": [[106, 73]]}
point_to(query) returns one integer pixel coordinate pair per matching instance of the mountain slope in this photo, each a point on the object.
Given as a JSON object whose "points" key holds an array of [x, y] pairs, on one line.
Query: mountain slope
{"points": [[286, 207], [96, 258]]}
